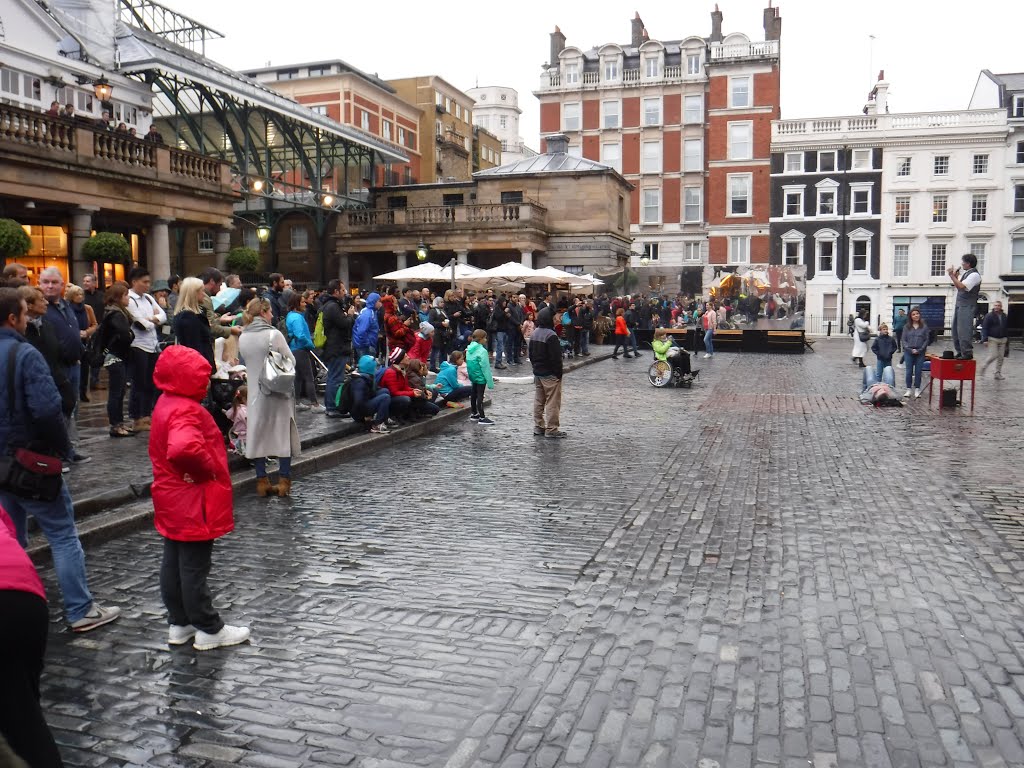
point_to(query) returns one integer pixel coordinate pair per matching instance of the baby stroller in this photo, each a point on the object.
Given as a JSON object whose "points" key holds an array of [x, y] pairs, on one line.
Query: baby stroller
{"points": [[319, 372], [675, 371]]}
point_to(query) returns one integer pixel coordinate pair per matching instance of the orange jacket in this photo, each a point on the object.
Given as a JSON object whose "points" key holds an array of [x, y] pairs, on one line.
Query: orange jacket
{"points": [[621, 329]]}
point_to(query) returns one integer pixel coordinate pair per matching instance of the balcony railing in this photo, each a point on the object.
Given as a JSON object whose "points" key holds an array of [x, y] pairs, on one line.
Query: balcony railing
{"points": [[761, 50], [909, 122], [552, 79], [449, 216], [77, 141]]}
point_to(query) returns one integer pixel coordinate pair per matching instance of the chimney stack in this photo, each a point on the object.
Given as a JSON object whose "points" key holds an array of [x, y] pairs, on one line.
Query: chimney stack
{"points": [[557, 46], [637, 30], [557, 143], [878, 99], [772, 23], [716, 25]]}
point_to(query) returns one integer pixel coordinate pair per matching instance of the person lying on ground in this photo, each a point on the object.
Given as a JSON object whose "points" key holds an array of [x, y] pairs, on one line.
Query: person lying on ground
{"points": [[880, 393]]}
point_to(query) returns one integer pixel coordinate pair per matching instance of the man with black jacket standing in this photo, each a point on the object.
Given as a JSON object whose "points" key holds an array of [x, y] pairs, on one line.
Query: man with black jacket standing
{"points": [[339, 316], [546, 359]]}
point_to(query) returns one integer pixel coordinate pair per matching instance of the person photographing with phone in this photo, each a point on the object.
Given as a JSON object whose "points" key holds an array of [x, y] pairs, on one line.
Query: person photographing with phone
{"points": [[967, 282]]}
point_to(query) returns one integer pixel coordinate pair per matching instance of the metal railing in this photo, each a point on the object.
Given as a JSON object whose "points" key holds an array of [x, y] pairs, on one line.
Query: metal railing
{"points": [[916, 121], [500, 214], [745, 50]]}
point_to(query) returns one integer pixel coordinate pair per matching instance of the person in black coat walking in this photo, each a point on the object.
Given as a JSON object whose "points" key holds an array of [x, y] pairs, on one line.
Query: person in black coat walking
{"points": [[339, 318]]}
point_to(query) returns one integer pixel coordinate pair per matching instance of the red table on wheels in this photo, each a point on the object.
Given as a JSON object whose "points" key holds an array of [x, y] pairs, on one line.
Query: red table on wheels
{"points": [[951, 369]]}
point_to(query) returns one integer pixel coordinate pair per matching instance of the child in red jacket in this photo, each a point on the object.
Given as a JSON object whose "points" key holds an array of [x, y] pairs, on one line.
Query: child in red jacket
{"points": [[192, 499]]}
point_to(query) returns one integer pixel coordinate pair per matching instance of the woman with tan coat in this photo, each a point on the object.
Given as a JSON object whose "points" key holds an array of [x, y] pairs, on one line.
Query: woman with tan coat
{"points": [[271, 429]]}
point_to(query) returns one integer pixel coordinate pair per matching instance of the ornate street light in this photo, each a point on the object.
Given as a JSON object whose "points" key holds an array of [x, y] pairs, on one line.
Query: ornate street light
{"points": [[422, 251], [327, 200], [103, 89], [262, 230]]}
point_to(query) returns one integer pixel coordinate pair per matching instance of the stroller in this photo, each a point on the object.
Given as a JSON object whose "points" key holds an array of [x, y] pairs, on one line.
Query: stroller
{"points": [[319, 372]]}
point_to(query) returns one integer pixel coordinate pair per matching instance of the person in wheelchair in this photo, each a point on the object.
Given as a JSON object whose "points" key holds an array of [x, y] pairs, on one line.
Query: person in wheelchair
{"points": [[666, 351]]}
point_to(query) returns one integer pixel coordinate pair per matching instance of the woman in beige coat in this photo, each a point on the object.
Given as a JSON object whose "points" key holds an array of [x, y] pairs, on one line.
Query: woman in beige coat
{"points": [[271, 429]]}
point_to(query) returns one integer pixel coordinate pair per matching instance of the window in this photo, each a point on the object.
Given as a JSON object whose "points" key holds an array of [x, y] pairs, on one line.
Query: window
{"points": [[739, 194], [692, 204], [860, 201], [740, 140], [364, 120], [862, 160], [652, 111], [503, 121], [249, 238], [693, 109], [693, 64], [979, 164], [320, 109], [827, 202], [204, 241], [9, 81], [650, 158], [739, 249], [575, 150], [1020, 153], [979, 207], [447, 104], [653, 66], [572, 74], [794, 162], [826, 255], [830, 306], [1018, 198], [319, 71], [609, 114], [289, 74], [398, 201], [512, 198], [453, 199], [940, 165], [791, 251], [1017, 255], [826, 161], [793, 202], [938, 266], [859, 255], [571, 116], [903, 166], [940, 209], [385, 129], [299, 238], [739, 91], [902, 210], [611, 155], [693, 156], [611, 69], [691, 252], [651, 251], [438, 99], [900, 260], [978, 251], [651, 213], [401, 136], [1018, 105]]}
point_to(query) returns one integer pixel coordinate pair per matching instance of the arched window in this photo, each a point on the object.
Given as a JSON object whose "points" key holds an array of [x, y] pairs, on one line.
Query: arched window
{"points": [[862, 303]]}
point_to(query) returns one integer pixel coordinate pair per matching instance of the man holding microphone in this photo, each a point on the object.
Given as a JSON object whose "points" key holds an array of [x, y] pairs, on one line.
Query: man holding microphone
{"points": [[967, 281]]}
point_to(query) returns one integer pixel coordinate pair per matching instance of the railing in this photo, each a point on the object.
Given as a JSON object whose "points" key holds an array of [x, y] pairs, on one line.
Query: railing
{"points": [[591, 78], [124, 149], [552, 78], [35, 128], [194, 166], [631, 75], [674, 72], [501, 214], [745, 50], [908, 122]]}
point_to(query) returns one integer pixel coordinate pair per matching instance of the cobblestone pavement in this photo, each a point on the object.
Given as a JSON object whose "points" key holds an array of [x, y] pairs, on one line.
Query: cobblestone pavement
{"points": [[759, 571]]}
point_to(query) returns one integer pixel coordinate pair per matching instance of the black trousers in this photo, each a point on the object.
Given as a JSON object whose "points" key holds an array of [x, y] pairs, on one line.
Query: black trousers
{"points": [[305, 385], [621, 341], [476, 399], [140, 372], [183, 574], [22, 646]]}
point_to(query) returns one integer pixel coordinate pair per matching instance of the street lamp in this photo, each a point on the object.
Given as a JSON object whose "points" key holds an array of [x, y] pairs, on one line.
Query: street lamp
{"points": [[422, 251], [262, 230], [103, 89]]}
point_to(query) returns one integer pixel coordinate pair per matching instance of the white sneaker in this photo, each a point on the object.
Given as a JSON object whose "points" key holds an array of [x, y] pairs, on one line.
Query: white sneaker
{"points": [[179, 635], [908, 393], [706, 355], [917, 393], [317, 409], [228, 635], [302, 406]]}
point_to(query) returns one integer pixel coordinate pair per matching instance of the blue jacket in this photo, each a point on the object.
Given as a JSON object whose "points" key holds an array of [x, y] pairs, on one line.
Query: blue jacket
{"points": [[899, 322], [366, 329], [37, 414], [298, 331], [884, 347], [447, 378], [993, 326], [63, 321]]}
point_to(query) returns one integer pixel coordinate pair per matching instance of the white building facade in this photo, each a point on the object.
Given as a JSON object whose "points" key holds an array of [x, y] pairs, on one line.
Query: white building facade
{"points": [[944, 193], [496, 110]]}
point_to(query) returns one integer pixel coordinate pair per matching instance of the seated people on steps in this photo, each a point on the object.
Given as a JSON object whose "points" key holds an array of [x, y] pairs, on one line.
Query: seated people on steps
{"points": [[406, 402], [367, 403]]}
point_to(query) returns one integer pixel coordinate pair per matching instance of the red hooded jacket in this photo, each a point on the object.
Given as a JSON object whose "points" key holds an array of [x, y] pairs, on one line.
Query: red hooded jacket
{"points": [[398, 333], [421, 349], [192, 496], [16, 570]]}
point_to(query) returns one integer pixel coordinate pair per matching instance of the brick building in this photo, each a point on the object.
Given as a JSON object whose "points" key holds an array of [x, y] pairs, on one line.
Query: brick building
{"points": [[688, 123]]}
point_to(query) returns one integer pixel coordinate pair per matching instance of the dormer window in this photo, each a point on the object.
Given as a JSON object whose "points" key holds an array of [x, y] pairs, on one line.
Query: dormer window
{"points": [[652, 66], [1018, 105], [572, 73], [611, 69]]}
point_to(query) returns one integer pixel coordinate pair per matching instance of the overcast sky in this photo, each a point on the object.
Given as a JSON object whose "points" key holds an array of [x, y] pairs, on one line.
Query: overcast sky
{"points": [[931, 50]]}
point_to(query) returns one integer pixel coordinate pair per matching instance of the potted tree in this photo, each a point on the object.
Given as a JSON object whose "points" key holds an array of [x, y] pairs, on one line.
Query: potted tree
{"points": [[107, 248], [241, 260], [14, 241]]}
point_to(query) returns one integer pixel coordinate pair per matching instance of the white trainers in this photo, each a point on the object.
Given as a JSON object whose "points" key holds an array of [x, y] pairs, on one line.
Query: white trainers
{"points": [[706, 355], [228, 635], [178, 634], [96, 617], [317, 409], [917, 392], [908, 393]]}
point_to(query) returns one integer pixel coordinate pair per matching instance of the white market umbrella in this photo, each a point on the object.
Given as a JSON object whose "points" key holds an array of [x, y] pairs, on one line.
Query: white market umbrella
{"points": [[558, 276], [425, 271], [510, 272]]}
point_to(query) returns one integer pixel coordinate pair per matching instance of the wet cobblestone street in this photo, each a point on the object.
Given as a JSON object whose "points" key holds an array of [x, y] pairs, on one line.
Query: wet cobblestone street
{"points": [[759, 571]]}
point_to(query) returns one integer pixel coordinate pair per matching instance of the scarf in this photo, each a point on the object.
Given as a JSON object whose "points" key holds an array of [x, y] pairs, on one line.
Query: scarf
{"points": [[258, 324]]}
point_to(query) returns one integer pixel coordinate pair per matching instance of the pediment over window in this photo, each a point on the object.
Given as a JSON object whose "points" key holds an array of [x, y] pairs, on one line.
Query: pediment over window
{"points": [[826, 234], [794, 234], [827, 184]]}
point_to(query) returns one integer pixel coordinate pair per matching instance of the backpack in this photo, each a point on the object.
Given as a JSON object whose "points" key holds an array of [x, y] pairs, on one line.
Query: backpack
{"points": [[95, 349], [319, 336], [566, 318], [344, 399]]}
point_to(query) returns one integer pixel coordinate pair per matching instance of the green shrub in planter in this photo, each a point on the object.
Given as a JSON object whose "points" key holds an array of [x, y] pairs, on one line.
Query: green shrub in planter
{"points": [[108, 247], [242, 259], [14, 242]]}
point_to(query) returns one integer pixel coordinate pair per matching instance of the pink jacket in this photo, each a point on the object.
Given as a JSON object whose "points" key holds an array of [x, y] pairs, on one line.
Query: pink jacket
{"points": [[462, 376], [16, 570]]}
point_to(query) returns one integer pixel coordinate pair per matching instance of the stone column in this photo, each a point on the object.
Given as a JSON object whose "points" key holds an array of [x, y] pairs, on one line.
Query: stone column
{"points": [[81, 228], [401, 262], [462, 257], [343, 269], [221, 246], [526, 258], [158, 249]]}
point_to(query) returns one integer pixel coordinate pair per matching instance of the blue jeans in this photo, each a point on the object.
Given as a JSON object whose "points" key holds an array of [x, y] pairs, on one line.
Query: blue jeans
{"points": [[880, 365], [284, 466], [915, 365], [499, 347], [632, 340], [377, 407], [888, 376], [335, 375], [584, 338], [57, 521], [437, 356], [709, 344]]}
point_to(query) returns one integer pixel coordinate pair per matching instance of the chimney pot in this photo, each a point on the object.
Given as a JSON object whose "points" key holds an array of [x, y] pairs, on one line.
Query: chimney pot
{"points": [[716, 25], [637, 37], [557, 46], [557, 143]]}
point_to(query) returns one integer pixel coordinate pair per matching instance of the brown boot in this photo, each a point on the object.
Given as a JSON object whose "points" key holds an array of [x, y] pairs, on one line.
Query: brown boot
{"points": [[283, 487], [264, 488]]}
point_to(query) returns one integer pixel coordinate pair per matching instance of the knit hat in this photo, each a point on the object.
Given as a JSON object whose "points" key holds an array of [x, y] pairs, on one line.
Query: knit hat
{"points": [[367, 365], [426, 328], [396, 356]]}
